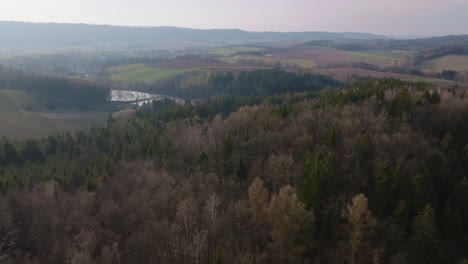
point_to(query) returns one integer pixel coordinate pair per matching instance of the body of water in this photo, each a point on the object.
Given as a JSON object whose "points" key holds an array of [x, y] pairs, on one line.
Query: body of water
{"points": [[137, 98]]}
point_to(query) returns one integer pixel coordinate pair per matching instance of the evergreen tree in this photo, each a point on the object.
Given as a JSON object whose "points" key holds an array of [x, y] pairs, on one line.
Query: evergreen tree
{"points": [[320, 179], [425, 236]]}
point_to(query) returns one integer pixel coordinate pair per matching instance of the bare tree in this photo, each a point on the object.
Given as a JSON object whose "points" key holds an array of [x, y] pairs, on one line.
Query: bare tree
{"points": [[361, 226]]}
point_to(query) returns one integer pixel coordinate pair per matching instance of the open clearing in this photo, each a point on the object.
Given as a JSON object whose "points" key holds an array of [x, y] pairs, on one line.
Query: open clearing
{"points": [[148, 74], [159, 71], [449, 62], [379, 58], [126, 68], [321, 56], [186, 64], [228, 51], [318, 57], [270, 60], [20, 124]]}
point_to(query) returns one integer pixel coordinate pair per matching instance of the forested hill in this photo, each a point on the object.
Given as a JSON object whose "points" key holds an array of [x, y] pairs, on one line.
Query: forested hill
{"points": [[255, 83], [20, 34], [372, 173]]}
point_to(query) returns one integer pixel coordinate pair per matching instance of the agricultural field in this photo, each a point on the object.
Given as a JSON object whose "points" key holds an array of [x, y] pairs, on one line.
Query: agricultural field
{"points": [[270, 60], [143, 73], [126, 68], [163, 70], [324, 59], [321, 56], [449, 62], [229, 51], [339, 64], [379, 58], [16, 122]]}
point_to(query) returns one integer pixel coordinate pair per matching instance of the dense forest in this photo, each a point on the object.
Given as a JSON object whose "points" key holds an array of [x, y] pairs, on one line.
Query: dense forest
{"points": [[254, 83], [53, 93], [373, 172]]}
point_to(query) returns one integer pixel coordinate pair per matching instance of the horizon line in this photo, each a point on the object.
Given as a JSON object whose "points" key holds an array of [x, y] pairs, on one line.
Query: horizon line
{"points": [[234, 29]]}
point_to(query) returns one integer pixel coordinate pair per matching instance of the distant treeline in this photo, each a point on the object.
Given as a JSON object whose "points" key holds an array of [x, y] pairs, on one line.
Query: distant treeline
{"points": [[255, 83], [53, 93]]}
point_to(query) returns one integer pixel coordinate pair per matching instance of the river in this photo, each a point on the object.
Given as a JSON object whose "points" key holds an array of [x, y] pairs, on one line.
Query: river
{"points": [[136, 98]]}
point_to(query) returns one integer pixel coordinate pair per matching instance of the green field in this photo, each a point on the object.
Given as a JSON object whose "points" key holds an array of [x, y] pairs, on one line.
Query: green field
{"points": [[449, 62], [228, 51], [301, 62], [377, 56], [127, 68], [143, 73], [305, 63], [15, 99], [18, 123]]}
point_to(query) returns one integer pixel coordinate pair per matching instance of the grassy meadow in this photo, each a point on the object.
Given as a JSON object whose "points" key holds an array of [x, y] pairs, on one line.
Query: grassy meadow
{"points": [[19, 123], [142, 73], [304, 63], [449, 62], [228, 51], [381, 58]]}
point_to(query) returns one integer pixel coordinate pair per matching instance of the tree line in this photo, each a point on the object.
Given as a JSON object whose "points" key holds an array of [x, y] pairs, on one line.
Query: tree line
{"points": [[254, 83]]}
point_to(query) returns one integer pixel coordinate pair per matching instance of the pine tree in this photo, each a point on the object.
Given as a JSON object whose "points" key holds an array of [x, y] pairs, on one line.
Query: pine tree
{"points": [[425, 227], [10, 154], [425, 236], [401, 214], [242, 170], [320, 179]]}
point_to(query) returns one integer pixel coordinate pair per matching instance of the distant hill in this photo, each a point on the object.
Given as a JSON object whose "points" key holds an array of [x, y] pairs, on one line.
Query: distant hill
{"points": [[22, 34], [424, 43], [387, 44]]}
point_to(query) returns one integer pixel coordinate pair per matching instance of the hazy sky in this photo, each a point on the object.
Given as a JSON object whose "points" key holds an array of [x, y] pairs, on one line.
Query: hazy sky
{"points": [[391, 17]]}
